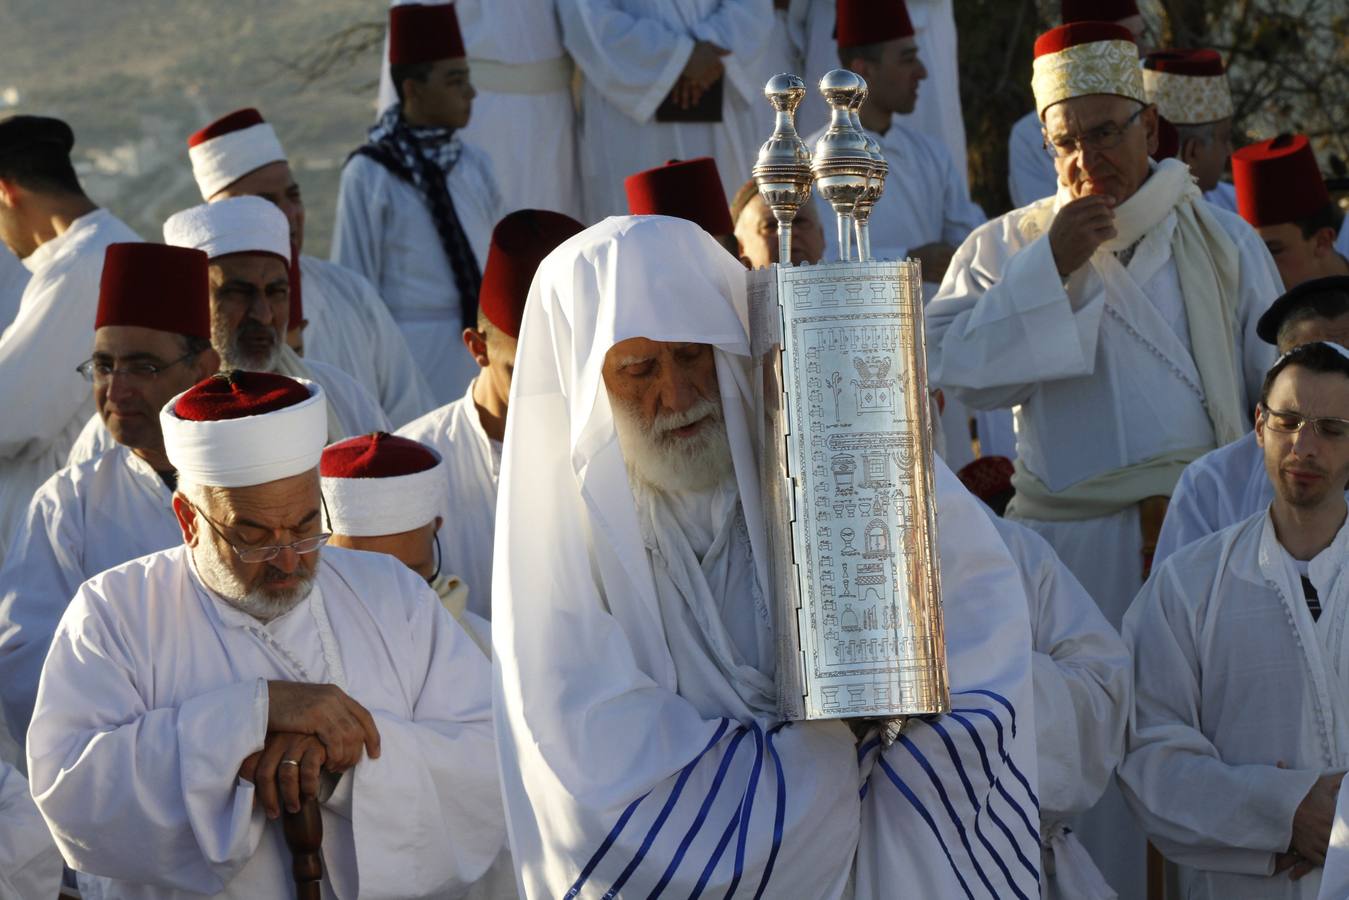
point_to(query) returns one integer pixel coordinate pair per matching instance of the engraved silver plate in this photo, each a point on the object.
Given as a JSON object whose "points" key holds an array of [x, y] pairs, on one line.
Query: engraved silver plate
{"points": [[843, 417]]}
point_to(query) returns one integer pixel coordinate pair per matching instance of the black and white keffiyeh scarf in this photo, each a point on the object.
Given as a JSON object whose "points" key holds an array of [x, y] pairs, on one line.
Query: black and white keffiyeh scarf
{"points": [[423, 157]]}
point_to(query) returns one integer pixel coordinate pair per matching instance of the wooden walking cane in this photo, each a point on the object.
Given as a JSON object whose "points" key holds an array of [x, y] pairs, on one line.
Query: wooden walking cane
{"points": [[304, 837]]}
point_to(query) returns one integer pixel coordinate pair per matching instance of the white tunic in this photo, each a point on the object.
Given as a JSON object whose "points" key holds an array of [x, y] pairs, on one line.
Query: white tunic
{"points": [[30, 866], [350, 328], [1223, 196], [472, 461], [13, 279], [937, 113], [155, 692], [1232, 677], [83, 520], [385, 232], [46, 401], [1221, 488], [1030, 170], [1083, 673], [630, 53]]}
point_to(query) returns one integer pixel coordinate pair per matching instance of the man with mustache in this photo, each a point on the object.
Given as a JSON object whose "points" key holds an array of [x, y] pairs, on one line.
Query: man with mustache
{"points": [[151, 342], [192, 695], [1237, 743]]}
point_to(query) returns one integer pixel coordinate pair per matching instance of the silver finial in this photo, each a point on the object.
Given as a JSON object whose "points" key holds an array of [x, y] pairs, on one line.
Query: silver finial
{"points": [[843, 166], [782, 171]]}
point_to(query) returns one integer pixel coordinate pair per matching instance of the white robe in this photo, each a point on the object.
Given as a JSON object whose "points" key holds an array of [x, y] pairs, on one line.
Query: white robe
{"points": [[936, 114], [384, 231], [526, 124], [46, 400], [630, 53], [636, 743], [473, 462], [1231, 677], [1221, 488], [349, 403], [30, 866], [155, 691], [13, 279], [1030, 170], [1224, 196], [1083, 674], [84, 519], [350, 328]]}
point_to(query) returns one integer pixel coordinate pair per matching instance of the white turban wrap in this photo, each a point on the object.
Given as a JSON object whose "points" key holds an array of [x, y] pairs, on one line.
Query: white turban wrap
{"points": [[232, 225]]}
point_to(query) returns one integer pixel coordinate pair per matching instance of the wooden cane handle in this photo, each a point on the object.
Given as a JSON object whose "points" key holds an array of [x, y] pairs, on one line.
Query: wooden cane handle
{"points": [[304, 837]]}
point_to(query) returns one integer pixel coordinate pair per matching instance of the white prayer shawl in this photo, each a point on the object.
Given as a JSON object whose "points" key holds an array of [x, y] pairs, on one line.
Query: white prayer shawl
{"points": [[46, 400], [524, 117], [1030, 170], [30, 865], [1084, 692], [1221, 488], [83, 520], [1335, 875], [350, 328], [472, 462], [614, 779], [384, 231], [1231, 677], [937, 112], [13, 279], [630, 53], [352, 410], [155, 691], [925, 199]]}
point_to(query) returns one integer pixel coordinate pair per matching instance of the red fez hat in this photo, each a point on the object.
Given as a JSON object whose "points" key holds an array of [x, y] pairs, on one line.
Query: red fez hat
{"points": [[1074, 34], [987, 477], [421, 33], [1278, 181], [1202, 62], [863, 22], [155, 286], [686, 189], [376, 455], [1098, 10], [226, 124], [1168, 140], [237, 394], [520, 241]]}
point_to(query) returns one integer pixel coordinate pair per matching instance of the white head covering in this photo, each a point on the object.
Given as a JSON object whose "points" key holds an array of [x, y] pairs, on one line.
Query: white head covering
{"points": [[249, 450], [232, 225], [364, 504], [227, 154]]}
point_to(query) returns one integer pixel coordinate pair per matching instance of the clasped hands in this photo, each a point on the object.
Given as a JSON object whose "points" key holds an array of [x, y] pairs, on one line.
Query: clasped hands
{"points": [[1312, 822], [312, 729], [702, 70]]}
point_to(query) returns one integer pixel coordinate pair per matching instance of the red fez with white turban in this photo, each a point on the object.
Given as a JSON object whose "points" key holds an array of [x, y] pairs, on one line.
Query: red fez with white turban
{"points": [[1098, 10], [421, 33], [154, 286], [378, 484], [520, 241], [1085, 58], [1278, 181], [239, 429], [233, 225], [686, 189], [1188, 86], [863, 22], [231, 147]]}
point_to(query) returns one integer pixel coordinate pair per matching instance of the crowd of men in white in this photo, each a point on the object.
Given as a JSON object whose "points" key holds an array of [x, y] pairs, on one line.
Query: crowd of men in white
{"points": [[532, 655]]}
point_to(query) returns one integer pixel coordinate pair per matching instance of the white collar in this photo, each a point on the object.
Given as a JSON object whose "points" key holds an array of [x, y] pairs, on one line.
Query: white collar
{"points": [[42, 257]]}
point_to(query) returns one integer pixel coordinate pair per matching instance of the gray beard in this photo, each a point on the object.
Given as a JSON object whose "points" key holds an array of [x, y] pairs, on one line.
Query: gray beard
{"points": [[259, 603], [670, 464], [232, 356]]}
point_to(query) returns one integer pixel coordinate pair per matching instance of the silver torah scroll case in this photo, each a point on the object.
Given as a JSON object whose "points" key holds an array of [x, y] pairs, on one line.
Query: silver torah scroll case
{"points": [[841, 401]]}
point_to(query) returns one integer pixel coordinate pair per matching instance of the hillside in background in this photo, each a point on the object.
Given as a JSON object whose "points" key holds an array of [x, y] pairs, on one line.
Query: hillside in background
{"points": [[135, 77]]}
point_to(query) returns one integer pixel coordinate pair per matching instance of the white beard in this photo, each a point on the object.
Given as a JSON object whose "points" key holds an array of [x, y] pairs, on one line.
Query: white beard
{"points": [[260, 603], [669, 463]]}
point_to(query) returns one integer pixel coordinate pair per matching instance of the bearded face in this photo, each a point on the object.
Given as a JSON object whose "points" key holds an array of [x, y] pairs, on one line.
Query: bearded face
{"points": [[683, 451]]}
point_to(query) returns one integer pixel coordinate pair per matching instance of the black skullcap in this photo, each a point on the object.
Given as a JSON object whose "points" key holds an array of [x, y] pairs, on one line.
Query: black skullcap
{"points": [[1308, 293], [22, 133]]}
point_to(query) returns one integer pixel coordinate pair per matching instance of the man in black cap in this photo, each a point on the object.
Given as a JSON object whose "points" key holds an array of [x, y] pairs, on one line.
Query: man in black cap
{"points": [[60, 235], [1228, 484]]}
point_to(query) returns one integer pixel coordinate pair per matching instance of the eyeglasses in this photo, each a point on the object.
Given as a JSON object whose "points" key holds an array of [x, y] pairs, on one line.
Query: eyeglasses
{"points": [[272, 551], [1102, 137], [1328, 427], [100, 372]]}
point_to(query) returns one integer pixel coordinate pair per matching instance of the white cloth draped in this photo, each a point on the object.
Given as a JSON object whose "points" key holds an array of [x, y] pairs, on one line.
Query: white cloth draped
{"points": [[630, 53], [1221, 488], [1232, 677], [30, 866], [155, 692], [46, 401], [472, 462], [384, 231], [1030, 171], [13, 279], [350, 328], [1223, 196], [614, 779], [84, 519], [1083, 673]]}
